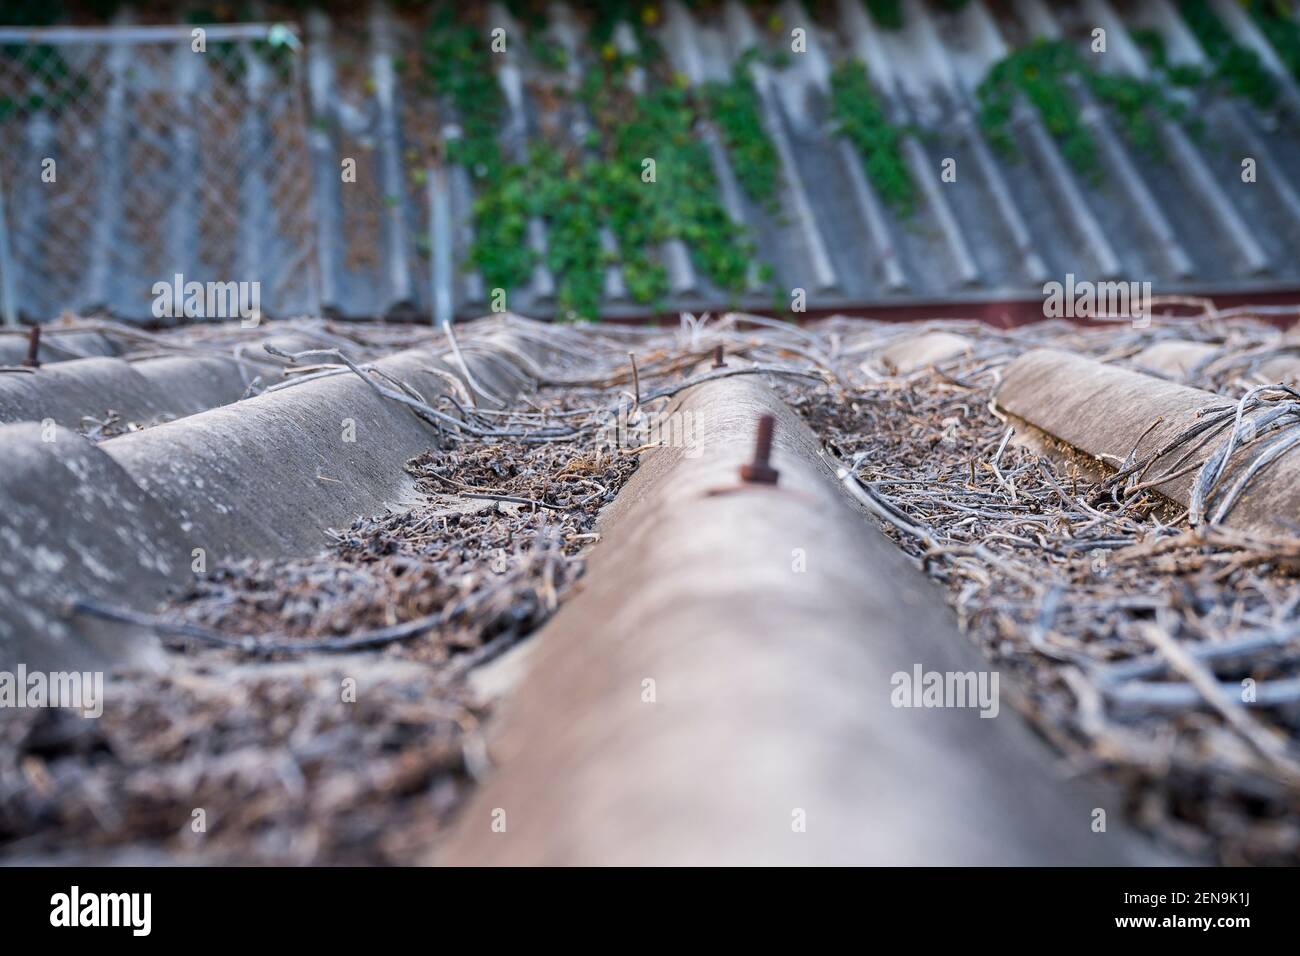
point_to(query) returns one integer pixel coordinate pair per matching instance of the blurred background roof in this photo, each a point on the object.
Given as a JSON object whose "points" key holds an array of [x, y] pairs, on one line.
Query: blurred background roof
{"points": [[871, 154]]}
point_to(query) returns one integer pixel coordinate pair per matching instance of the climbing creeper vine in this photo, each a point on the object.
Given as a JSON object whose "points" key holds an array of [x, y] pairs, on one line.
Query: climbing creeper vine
{"points": [[1276, 20], [1235, 67], [457, 65], [860, 116], [682, 202], [734, 107], [560, 192], [1041, 72]]}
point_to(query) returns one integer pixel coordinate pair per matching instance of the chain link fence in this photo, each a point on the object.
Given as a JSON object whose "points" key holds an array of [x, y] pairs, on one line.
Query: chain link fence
{"points": [[130, 156]]}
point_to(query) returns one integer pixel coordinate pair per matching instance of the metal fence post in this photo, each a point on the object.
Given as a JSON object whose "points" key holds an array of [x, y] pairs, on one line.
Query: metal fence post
{"points": [[8, 307], [176, 163], [440, 271]]}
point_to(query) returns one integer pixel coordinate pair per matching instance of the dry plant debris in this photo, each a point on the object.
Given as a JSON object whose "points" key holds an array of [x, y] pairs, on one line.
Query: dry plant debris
{"points": [[296, 752], [1128, 633], [235, 765], [297, 756]]}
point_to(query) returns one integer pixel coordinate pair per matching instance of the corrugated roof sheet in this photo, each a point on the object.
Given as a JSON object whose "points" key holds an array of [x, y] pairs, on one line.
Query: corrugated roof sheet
{"points": [[398, 240]]}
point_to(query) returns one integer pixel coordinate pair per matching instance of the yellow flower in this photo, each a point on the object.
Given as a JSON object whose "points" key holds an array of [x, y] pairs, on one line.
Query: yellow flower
{"points": [[609, 51], [650, 15]]}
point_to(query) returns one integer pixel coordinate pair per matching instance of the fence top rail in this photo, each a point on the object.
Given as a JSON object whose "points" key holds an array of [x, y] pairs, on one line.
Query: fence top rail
{"points": [[217, 32]]}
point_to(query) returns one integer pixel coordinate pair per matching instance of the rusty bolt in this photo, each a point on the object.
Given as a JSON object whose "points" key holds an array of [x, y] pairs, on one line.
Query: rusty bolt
{"points": [[760, 470], [33, 348], [717, 357]]}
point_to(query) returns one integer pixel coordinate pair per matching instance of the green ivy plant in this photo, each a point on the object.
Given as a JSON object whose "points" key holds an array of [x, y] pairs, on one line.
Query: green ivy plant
{"points": [[501, 210], [1041, 72], [1276, 20], [578, 188], [1235, 67], [457, 66], [607, 15], [682, 202], [1152, 44], [860, 116], [560, 192], [887, 13], [734, 107], [575, 191]]}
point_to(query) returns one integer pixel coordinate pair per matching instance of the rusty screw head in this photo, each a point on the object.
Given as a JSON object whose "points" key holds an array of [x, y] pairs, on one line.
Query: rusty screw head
{"points": [[717, 357], [33, 348], [760, 470]]}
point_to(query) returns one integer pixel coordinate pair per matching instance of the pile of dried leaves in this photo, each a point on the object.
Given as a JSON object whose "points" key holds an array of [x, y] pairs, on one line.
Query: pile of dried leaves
{"points": [[1130, 637], [261, 743], [331, 760], [486, 557], [1129, 634]]}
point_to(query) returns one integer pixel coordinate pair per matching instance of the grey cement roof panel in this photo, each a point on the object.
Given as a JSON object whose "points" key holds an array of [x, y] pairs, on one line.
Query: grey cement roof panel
{"points": [[369, 245]]}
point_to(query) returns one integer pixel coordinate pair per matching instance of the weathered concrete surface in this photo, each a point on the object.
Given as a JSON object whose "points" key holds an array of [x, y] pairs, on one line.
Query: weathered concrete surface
{"points": [[75, 525], [1173, 359], [772, 691], [144, 391], [1284, 368], [1104, 412], [260, 478], [67, 391], [267, 476], [189, 384], [921, 351], [56, 346], [258, 361]]}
